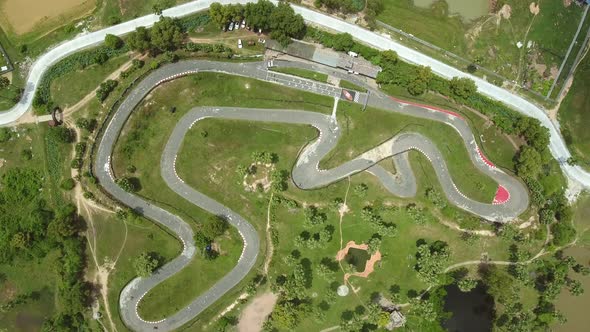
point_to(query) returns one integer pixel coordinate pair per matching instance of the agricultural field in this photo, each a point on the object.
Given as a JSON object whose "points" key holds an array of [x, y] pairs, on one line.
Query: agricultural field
{"points": [[490, 40]]}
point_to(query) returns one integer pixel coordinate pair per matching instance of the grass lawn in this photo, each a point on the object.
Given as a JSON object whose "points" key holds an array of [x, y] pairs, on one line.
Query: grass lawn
{"points": [[178, 291], [209, 163], [120, 242], [70, 88], [574, 114], [490, 41], [349, 85], [222, 150], [312, 75], [365, 130]]}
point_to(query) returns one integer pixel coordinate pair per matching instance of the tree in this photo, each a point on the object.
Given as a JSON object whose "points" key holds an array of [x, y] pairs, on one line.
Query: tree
{"points": [[374, 244], [139, 40], [4, 82], [166, 34], [201, 240], [285, 315], [4, 134], [67, 184], [529, 162], [563, 233], [258, 14], [126, 184], [343, 42], [285, 24], [214, 227], [145, 264], [466, 285], [462, 87], [62, 134], [113, 41], [361, 190]]}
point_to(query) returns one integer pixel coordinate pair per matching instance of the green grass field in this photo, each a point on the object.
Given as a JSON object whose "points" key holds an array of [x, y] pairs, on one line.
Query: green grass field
{"points": [[208, 164], [349, 85], [491, 41], [365, 130], [312, 75], [573, 114], [70, 88]]}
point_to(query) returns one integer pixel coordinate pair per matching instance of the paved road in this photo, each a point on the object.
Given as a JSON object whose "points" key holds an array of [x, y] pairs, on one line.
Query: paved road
{"points": [[306, 175], [557, 146]]}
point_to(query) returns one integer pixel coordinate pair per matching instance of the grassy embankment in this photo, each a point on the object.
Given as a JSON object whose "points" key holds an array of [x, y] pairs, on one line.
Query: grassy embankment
{"points": [[574, 116], [312, 75], [490, 41]]}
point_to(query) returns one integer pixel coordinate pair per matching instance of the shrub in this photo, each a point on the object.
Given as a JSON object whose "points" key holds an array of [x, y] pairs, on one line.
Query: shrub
{"points": [[4, 134], [112, 41], [105, 89], [76, 163], [68, 184], [127, 184]]}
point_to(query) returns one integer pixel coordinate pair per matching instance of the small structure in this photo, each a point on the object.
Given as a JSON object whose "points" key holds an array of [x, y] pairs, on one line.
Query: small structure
{"points": [[342, 290], [396, 319]]}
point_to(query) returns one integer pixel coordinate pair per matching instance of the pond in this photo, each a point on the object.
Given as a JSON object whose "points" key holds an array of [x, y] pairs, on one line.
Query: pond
{"points": [[467, 9], [472, 311], [358, 258]]}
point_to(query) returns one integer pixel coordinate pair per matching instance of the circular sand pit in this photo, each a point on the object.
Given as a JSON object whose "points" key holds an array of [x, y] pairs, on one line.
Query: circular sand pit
{"points": [[342, 290]]}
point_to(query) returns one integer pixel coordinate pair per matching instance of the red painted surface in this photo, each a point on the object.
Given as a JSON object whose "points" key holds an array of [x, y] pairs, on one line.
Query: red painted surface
{"points": [[455, 114], [484, 158], [502, 196]]}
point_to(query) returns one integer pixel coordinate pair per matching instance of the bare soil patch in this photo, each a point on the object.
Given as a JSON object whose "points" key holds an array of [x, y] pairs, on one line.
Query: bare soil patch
{"points": [[25, 15], [256, 312], [505, 11], [534, 8]]}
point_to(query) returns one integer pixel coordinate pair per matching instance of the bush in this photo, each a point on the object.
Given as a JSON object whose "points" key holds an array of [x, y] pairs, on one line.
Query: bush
{"points": [[4, 134], [127, 184], [563, 233], [105, 89], [112, 41], [61, 134], [68, 184], [76, 163]]}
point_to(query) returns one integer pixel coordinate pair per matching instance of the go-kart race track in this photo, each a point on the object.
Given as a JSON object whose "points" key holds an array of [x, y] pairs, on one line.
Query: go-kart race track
{"points": [[511, 200]]}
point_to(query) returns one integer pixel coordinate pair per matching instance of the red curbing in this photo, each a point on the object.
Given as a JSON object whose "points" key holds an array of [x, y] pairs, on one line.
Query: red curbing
{"points": [[455, 114], [502, 196], [485, 160]]}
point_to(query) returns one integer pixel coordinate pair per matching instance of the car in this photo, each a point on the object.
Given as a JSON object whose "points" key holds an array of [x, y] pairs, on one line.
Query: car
{"points": [[231, 26], [237, 25], [239, 43], [243, 24]]}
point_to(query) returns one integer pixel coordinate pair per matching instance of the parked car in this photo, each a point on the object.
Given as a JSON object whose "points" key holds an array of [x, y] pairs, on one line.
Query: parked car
{"points": [[239, 43], [231, 26], [243, 24]]}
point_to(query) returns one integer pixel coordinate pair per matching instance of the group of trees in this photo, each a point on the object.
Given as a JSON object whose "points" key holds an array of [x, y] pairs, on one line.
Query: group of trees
{"points": [[105, 88], [383, 228], [431, 259], [146, 263], [165, 35], [214, 227], [344, 6], [281, 20]]}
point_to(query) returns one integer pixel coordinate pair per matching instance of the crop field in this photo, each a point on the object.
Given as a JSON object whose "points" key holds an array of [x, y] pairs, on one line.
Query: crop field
{"points": [[25, 16]]}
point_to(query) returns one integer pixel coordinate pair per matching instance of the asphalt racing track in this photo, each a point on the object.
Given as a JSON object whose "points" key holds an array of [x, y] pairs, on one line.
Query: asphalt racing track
{"points": [[306, 175]]}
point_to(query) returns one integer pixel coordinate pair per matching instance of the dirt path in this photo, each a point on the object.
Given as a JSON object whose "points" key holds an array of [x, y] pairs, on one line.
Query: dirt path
{"points": [[269, 245], [342, 210], [86, 208], [29, 117], [256, 312]]}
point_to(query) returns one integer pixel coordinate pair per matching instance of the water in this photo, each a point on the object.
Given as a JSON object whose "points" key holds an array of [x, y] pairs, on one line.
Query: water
{"points": [[472, 311], [468, 9]]}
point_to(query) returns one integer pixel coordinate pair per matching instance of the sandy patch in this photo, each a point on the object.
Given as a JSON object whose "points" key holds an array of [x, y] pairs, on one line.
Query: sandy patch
{"points": [[24, 15], [2, 162], [534, 8], [369, 266], [505, 12], [256, 312], [567, 3]]}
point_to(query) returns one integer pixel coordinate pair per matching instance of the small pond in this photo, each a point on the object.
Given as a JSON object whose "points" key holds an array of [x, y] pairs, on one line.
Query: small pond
{"points": [[358, 258], [467, 9], [472, 311]]}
